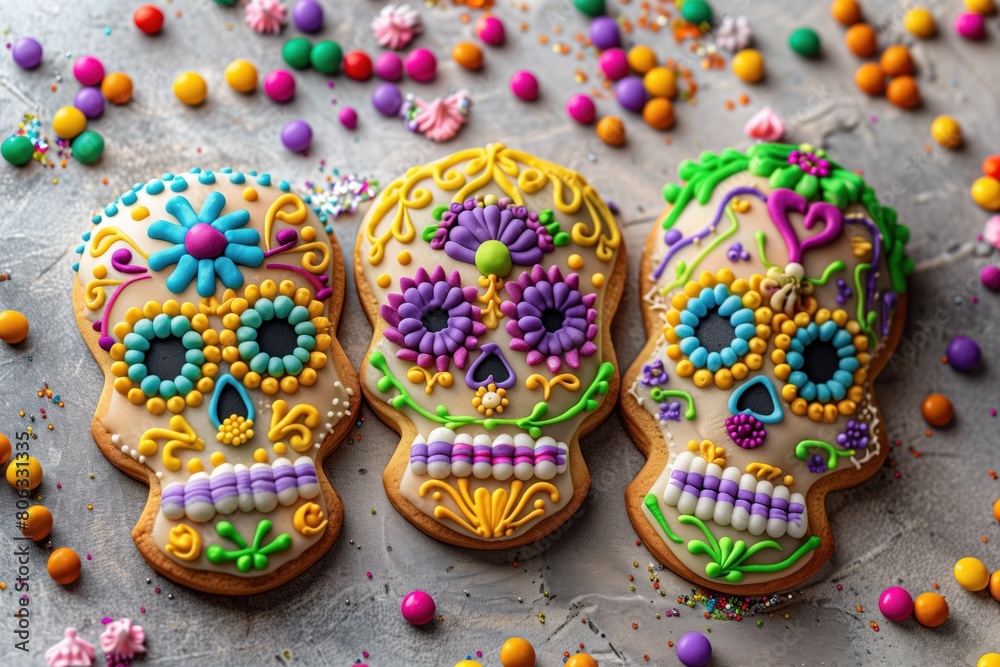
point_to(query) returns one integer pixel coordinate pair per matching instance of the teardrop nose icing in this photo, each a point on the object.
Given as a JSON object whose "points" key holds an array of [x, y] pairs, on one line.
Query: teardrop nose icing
{"points": [[491, 368], [757, 397], [229, 398]]}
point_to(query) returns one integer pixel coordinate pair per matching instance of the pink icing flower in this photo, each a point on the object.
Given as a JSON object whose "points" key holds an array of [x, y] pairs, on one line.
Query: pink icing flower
{"points": [[121, 640], [992, 231], [72, 651], [765, 125], [440, 119], [396, 26], [266, 16]]}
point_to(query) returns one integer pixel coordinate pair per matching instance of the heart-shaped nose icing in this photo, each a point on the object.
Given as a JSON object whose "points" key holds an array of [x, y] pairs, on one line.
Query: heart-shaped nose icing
{"points": [[774, 289]]}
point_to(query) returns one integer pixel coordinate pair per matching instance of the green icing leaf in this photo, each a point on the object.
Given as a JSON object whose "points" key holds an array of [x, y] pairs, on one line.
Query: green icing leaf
{"points": [[808, 186], [428, 233], [247, 556]]}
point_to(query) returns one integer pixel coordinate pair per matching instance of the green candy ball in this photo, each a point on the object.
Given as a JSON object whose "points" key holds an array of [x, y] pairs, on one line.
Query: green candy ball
{"points": [[326, 56], [296, 52], [88, 147], [493, 259], [804, 42], [17, 150], [697, 12], [590, 7]]}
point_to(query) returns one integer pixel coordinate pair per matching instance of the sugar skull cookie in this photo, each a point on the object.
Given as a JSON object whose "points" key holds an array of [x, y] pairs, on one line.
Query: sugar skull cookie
{"points": [[211, 300], [490, 278], [774, 293]]}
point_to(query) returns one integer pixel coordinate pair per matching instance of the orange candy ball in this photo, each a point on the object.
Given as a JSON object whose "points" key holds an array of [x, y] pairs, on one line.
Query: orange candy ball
{"points": [[904, 92], [117, 88], [897, 61], [38, 525], [861, 40], [13, 327], [937, 410], [580, 660], [64, 566], [659, 113], [468, 55], [930, 610], [517, 652], [5, 449], [995, 585], [847, 12], [870, 79], [996, 510], [611, 130], [991, 166]]}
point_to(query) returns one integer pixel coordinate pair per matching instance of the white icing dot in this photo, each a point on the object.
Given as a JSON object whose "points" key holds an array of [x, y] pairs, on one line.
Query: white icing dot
{"points": [[335, 401], [330, 413], [338, 384], [142, 459], [317, 445], [350, 392], [329, 425], [159, 475], [115, 438], [124, 449], [345, 412]]}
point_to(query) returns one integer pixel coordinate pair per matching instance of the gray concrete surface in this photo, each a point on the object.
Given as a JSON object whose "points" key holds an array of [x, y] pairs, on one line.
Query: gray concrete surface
{"points": [[906, 530]]}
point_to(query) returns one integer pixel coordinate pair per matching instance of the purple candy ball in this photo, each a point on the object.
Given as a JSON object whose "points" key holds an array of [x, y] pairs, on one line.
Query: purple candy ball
{"points": [[581, 109], [896, 604], [964, 354], [27, 52], [418, 608], [604, 33], [387, 99], [308, 16], [348, 117], [296, 136], [389, 67], [631, 93], [694, 650], [614, 64], [421, 65], [990, 275], [89, 101]]}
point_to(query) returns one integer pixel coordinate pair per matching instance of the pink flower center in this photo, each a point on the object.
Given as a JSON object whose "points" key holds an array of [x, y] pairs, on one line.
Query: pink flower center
{"points": [[205, 242]]}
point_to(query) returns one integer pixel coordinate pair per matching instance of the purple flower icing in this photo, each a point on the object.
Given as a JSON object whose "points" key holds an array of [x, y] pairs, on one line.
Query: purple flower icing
{"points": [[746, 430], [550, 319], [433, 321], [670, 412], [653, 374], [466, 226], [816, 463], [855, 436]]}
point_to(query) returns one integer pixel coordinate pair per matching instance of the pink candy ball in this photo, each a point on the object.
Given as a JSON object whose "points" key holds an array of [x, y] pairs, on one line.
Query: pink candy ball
{"points": [[88, 70], [280, 85], [417, 608], [348, 117], [421, 65], [581, 109], [389, 67], [970, 25], [524, 85], [896, 604], [990, 276], [614, 64], [490, 29]]}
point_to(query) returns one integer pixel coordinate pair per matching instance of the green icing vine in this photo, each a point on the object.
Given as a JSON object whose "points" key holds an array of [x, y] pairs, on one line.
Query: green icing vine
{"points": [[867, 321], [840, 188], [834, 266], [658, 395], [833, 455], [533, 423], [728, 558], [761, 240], [685, 271], [247, 556]]}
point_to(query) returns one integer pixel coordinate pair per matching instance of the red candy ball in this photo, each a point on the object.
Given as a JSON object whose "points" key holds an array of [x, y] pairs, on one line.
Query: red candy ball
{"points": [[991, 166], [149, 19], [358, 66]]}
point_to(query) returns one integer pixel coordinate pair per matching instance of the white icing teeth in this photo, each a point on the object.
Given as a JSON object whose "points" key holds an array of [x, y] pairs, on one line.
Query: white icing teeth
{"points": [[730, 497]]}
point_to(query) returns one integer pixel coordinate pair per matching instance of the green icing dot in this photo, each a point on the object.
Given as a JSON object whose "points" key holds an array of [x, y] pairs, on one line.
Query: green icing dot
{"points": [[325, 57], [17, 150], [804, 42], [493, 258], [697, 12], [296, 52]]}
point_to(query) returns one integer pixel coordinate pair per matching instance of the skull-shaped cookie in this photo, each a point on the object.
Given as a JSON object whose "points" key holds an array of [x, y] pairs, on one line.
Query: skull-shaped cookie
{"points": [[773, 294], [490, 278], [210, 300]]}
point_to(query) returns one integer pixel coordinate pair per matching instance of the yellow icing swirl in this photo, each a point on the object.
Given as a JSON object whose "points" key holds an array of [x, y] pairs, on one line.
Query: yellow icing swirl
{"points": [[309, 519], [184, 543]]}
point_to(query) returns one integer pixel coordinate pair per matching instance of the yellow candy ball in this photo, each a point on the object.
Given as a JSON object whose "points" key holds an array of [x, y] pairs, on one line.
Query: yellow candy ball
{"points": [[13, 327], [69, 122], [517, 652], [971, 574], [30, 473], [986, 193], [580, 660], [946, 132], [190, 88], [641, 58], [661, 82], [468, 663], [919, 22], [989, 660], [980, 6], [748, 65], [241, 76]]}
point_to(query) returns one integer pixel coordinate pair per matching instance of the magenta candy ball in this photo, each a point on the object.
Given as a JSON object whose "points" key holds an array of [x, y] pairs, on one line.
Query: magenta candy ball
{"points": [[296, 136], [896, 604], [614, 64], [490, 29], [990, 276], [280, 85], [27, 52], [348, 117], [604, 33], [417, 608], [90, 101], [389, 67], [421, 65], [694, 650], [631, 93], [524, 85], [308, 16], [581, 109], [88, 70], [970, 25], [387, 99]]}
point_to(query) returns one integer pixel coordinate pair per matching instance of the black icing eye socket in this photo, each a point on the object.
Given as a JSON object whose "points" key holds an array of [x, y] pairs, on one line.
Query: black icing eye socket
{"points": [[435, 319], [229, 401], [758, 398], [277, 337], [165, 357], [820, 361], [715, 332]]}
